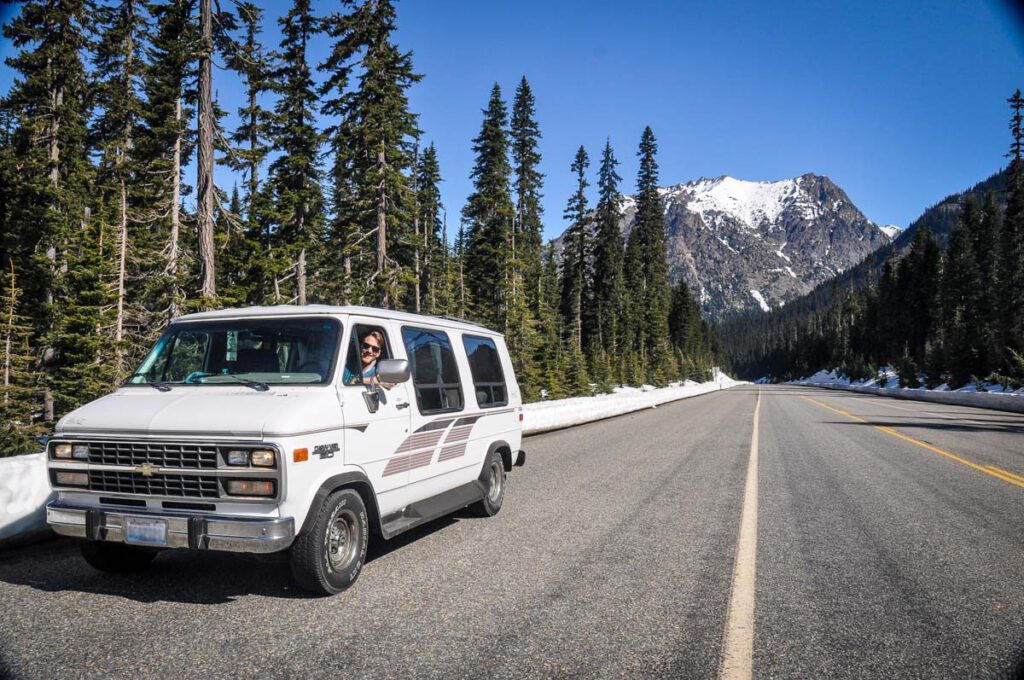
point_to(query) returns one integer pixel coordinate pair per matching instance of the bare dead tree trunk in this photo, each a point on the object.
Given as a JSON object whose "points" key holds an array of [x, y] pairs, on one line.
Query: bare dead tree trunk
{"points": [[57, 101], [416, 222], [9, 332], [120, 321], [300, 276], [382, 227], [172, 249], [208, 286], [346, 295]]}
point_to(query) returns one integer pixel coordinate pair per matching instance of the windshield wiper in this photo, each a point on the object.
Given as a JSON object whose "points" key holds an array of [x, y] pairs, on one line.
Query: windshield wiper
{"points": [[155, 384], [255, 384]]}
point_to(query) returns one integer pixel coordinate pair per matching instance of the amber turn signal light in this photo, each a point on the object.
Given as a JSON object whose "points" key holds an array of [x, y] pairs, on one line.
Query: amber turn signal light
{"points": [[300, 455]]}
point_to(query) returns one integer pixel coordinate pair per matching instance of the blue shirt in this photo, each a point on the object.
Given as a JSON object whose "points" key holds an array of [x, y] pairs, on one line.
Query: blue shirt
{"points": [[348, 376]]}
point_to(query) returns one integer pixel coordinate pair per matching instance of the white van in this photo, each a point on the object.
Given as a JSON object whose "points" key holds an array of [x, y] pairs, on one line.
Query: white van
{"points": [[272, 428]]}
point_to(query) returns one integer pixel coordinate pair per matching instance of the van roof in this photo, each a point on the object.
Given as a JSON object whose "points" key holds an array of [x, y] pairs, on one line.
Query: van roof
{"points": [[335, 310]]}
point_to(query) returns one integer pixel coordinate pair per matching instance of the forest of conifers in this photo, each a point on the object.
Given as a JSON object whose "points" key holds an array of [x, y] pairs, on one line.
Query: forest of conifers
{"points": [[111, 224], [946, 307]]}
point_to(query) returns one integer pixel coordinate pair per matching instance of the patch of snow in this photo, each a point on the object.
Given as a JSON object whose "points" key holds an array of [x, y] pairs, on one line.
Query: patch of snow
{"points": [[790, 271], [726, 244], [24, 493], [782, 254], [543, 416], [760, 300]]}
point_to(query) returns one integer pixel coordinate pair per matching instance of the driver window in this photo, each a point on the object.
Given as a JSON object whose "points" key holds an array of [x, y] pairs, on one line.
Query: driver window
{"points": [[362, 358]]}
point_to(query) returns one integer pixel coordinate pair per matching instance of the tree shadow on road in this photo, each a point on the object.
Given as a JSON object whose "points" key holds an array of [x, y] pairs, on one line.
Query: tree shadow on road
{"points": [[905, 424]]}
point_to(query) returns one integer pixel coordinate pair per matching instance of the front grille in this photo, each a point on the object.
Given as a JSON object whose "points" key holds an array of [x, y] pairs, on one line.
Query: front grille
{"points": [[177, 486], [166, 455]]}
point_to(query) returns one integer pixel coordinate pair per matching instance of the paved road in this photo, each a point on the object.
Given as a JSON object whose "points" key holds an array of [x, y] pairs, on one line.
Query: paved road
{"points": [[886, 547]]}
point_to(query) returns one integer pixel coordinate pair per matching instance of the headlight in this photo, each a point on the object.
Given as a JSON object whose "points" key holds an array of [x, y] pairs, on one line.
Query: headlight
{"points": [[73, 478], [80, 451], [62, 450], [262, 458], [250, 487], [238, 457]]}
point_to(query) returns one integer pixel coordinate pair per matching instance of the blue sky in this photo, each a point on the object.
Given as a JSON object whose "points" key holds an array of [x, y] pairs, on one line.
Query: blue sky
{"points": [[899, 103]]}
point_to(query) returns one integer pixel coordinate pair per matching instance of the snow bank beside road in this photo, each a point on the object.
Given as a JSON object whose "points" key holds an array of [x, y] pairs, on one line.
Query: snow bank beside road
{"points": [[24, 493], [543, 416], [889, 387]]}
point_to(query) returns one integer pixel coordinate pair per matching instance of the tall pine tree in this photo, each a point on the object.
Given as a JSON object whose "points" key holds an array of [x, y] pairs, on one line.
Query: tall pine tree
{"points": [[647, 267], [608, 258], [295, 204], [576, 276], [373, 152], [489, 213]]}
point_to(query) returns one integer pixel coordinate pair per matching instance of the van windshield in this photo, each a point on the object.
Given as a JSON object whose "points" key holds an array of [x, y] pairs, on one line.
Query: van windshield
{"points": [[269, 351]]}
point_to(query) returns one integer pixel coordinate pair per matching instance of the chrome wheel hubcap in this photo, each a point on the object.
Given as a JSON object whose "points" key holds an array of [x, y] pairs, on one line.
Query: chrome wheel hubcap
{"points": [[495, 482], [341, 539]]}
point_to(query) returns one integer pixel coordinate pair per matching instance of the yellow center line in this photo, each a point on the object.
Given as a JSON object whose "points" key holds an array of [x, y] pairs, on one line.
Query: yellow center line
{"points": [[994, 471], [1005, 472]]}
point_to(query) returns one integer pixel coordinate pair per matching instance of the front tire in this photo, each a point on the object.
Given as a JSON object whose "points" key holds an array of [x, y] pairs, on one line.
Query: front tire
{"points": [[116, 558], [493, 480], [328, 558]]}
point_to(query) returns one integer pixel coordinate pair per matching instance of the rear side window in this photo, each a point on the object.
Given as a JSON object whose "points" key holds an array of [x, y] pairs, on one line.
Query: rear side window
{"points": [[434, 372], [485, 365]]}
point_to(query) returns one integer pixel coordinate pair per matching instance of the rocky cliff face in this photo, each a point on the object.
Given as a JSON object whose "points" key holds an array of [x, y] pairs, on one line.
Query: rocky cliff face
{"points": [[742, 245]]}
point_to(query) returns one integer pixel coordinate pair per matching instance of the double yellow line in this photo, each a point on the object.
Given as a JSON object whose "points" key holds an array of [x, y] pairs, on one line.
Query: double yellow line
{"points": [[992, 470]]}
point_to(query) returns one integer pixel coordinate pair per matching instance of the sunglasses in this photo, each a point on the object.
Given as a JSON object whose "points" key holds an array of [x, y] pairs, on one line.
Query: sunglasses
{"points": [[373, 348]]}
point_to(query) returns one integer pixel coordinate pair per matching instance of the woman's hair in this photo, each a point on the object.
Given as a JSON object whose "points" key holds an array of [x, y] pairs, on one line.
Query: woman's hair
{"points": [[376, 335]]}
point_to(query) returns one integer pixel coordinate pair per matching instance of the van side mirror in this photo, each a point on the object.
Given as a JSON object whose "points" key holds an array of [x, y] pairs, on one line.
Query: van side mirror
{"points": [[393, 370]]}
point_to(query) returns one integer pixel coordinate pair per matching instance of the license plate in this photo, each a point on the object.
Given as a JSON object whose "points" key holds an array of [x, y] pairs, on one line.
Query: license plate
{"points": [[144, 530]]}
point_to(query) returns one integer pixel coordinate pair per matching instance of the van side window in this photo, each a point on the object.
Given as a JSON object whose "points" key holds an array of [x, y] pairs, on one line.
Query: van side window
{"points": [[485, 365], [435, 374]]}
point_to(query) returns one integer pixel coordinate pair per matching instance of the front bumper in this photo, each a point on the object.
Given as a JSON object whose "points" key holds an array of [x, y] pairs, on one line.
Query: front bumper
{"points": [[199, 532]]}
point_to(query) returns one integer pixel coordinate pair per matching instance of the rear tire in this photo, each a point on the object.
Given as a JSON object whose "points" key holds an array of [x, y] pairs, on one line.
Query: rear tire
{"points": [[328, 558], [116, 558], [493, 479]]}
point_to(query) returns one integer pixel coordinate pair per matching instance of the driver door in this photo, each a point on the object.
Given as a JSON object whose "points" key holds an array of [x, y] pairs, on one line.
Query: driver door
{"points": [[373, 438]]}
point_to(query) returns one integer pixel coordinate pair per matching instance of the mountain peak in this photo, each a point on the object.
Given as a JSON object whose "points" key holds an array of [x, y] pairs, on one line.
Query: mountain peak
{"points": [[727, 237]]}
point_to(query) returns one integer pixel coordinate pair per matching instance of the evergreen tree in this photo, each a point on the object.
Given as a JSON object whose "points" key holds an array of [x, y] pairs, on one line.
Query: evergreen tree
{"points": [[118, 71], [647, 267], [986, 248], [576, 274], [21, 398], [431, 248], [609, 253], [1011, 251], [165, 147], [548, 359], [295, 196], [372, 147], [527, 235], [960, 281], [489, 214], [246, 57], [47, 107]]}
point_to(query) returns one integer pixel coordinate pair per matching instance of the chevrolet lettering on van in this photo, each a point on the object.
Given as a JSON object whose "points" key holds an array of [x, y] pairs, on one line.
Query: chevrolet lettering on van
{"points": [[308, 429]]}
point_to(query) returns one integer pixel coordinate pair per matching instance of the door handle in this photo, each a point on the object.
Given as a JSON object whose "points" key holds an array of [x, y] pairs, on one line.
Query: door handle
{"points": [[402, 404]]}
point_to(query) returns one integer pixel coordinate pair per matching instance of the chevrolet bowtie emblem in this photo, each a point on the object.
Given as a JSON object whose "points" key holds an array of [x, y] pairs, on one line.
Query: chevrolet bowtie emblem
{"points": [[146, 470]]}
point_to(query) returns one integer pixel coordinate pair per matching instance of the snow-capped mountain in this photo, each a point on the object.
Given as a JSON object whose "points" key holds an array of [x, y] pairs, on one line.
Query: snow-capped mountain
{"points": [[891, 230], [755, 245]]}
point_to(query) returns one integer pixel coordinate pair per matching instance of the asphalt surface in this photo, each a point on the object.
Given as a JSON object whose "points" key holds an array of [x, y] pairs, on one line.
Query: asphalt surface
{"points": [[612, 557]]}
